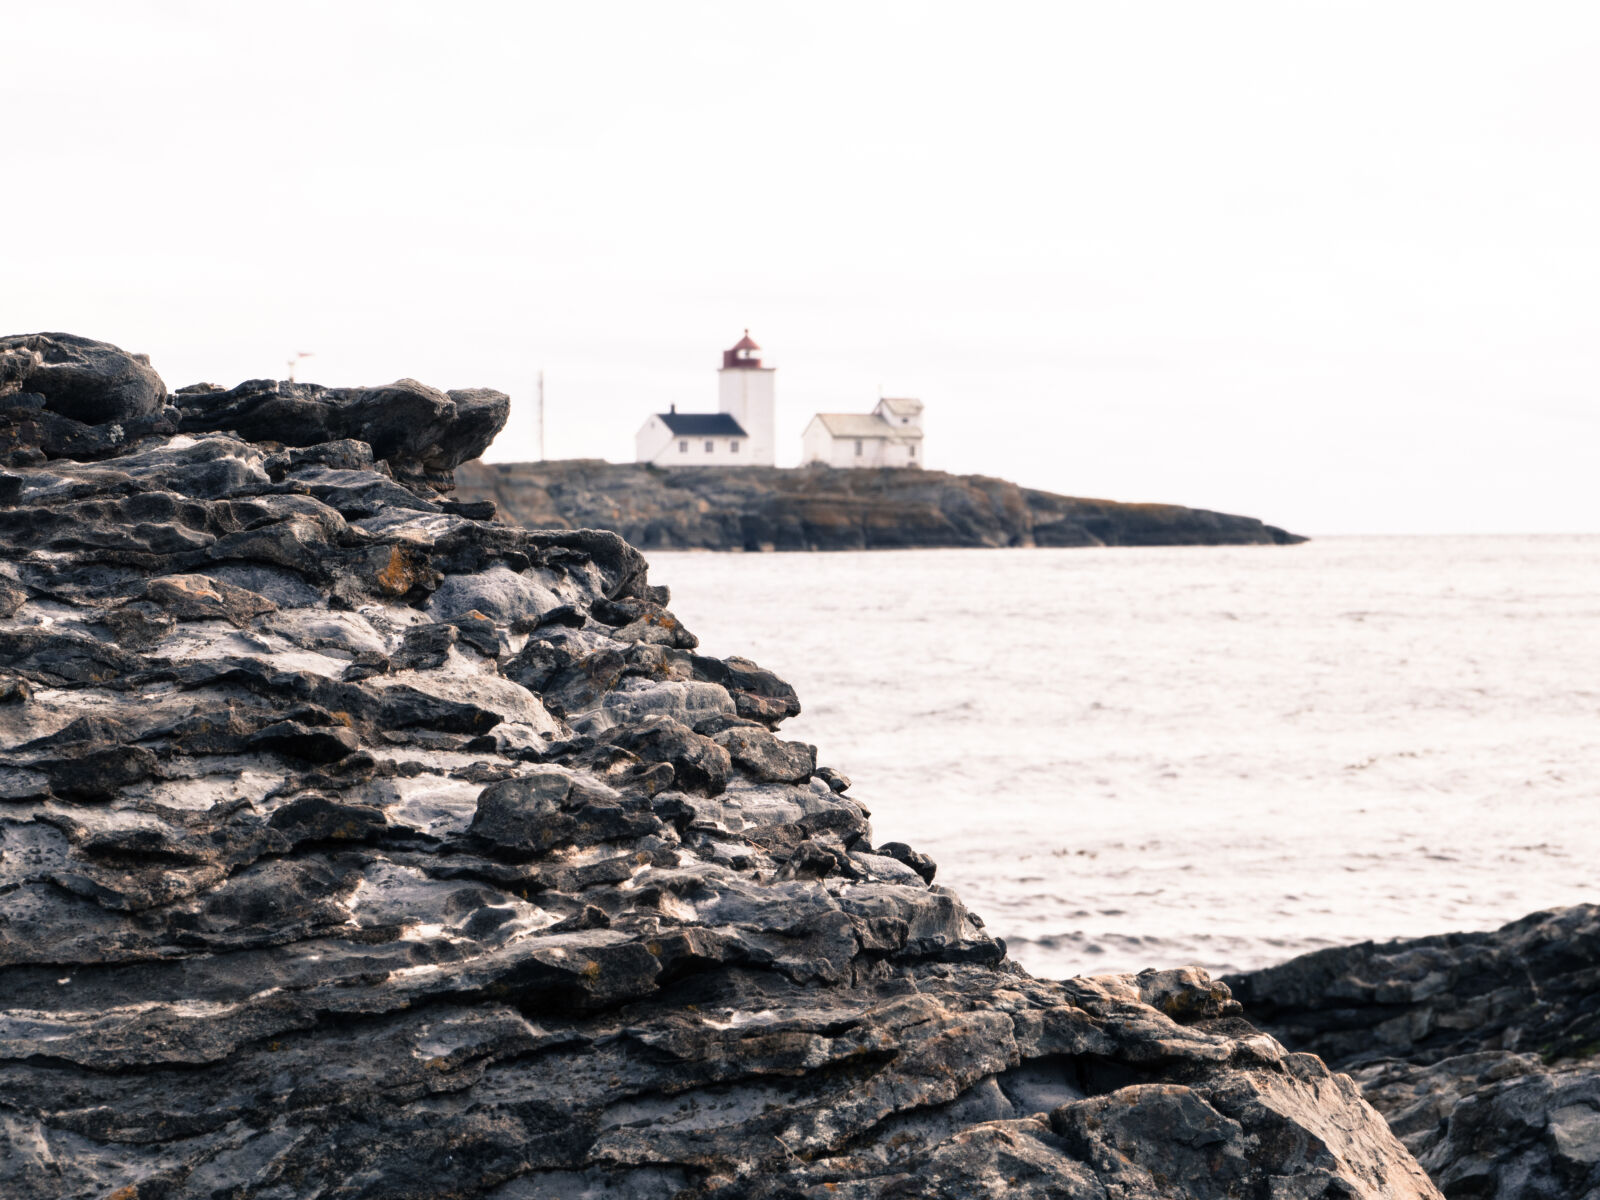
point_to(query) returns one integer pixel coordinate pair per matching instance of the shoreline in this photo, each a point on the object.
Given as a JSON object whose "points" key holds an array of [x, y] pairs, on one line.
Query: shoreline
{"points": [[784, 509]]}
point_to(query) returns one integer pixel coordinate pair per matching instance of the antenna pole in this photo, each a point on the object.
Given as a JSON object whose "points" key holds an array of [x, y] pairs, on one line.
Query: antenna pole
{"points": [[541, 416]]}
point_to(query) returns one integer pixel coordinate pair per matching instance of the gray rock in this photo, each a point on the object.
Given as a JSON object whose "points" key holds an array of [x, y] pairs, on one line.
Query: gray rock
{"points": [[327, 744], [1479, 1048], [82, 379], [500, 594], [203, 598], [419, 431], [537, 663], [515, 813], [835, 781], [757, 693], [481, 413], [768, 758], [699, 764], [686, 703], [915, 859], [12, 596]]}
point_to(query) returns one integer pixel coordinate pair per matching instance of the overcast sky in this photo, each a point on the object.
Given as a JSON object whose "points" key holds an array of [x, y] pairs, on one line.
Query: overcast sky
{"points": [[1336, 265]]}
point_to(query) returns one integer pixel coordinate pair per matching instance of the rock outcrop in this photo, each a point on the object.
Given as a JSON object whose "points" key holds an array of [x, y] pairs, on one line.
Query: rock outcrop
{"points": [[79, 378], [1481, 1049], [820, 508], [354, 846], [421, 433]]}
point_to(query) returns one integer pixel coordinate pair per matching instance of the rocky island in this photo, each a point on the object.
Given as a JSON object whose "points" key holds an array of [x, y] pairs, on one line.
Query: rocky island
{"points": [[355, 845], [823, 508]]}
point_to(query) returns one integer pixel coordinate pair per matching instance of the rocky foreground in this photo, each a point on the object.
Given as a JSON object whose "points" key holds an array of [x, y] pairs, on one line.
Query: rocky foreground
{"points": [[1481, 1049], [354, 845], [820, 508]]}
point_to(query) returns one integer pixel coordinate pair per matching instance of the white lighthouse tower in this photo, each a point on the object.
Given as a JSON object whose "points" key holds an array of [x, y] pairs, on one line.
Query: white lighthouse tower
{"points": [[745, 392]]}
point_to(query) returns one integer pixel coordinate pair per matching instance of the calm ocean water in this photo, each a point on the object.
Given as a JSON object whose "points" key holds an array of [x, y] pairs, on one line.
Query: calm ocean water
{"points": [[1146, 757]]}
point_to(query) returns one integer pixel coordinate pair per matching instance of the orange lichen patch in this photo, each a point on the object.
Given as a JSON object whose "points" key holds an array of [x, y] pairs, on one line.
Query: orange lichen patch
{"points": [[402, 572], [590, 970], [130, 1192]]}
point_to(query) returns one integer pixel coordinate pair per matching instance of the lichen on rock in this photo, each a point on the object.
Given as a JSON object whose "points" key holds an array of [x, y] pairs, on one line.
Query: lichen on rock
{"points": [[355, 845]]}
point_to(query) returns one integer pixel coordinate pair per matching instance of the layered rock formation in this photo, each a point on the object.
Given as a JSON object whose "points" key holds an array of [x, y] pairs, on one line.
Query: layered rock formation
{"points": [[355, 846], [819, 508], [1481, 1049]]}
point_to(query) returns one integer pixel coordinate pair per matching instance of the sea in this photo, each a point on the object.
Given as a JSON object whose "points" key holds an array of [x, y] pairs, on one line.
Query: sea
{"points": [[1226, 756]]}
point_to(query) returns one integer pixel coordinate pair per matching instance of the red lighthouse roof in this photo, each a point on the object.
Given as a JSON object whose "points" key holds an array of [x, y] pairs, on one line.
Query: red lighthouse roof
{"points": [[743, 354]]}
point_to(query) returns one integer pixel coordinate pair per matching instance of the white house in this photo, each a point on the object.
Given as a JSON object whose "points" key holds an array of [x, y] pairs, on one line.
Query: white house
{"points": [[675, 439], [888, 436], [740, 433]]}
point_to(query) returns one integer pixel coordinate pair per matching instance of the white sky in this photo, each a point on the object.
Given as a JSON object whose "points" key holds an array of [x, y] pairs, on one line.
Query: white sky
{"points": [[1336, 265]]}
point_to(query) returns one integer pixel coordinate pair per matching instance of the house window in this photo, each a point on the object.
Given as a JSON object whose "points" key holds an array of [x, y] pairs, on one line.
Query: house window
{"points": [[683, 447], [858, 449], [911, 451], [733, 447], [710, 446]]}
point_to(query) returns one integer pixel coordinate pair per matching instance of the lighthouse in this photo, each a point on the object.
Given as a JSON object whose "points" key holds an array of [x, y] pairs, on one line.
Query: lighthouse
{"points": [[738, 434], [745, 391]]}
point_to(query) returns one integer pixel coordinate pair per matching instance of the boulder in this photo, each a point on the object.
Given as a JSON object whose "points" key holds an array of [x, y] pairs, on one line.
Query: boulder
{"points": [[687, 703], [515, 812], [757, 693], [91, 382], [500, 594], [698, 763], [1480, 1048], [419, 431], [767, 758], [481, 413]]}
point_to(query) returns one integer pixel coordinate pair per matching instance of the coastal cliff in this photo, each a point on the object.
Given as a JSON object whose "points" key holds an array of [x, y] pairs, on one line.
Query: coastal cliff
{"points": [[355, 845], [821, 508]]}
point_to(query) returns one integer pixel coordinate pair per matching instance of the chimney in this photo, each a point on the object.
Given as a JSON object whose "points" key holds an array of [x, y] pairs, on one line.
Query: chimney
{"points": [[672, 408]]}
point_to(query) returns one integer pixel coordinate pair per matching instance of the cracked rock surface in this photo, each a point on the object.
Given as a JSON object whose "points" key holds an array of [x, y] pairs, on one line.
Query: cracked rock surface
{"points": [[353, 845], [1480, 1048]]}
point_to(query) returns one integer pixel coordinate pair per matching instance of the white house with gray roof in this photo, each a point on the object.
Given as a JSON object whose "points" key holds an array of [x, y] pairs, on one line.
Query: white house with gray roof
{"points": [[888, 436], [675, 439]]}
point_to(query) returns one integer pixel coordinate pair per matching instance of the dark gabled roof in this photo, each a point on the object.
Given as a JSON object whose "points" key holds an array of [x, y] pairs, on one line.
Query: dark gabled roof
{"points": [[746, 342], [703, 424]]}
